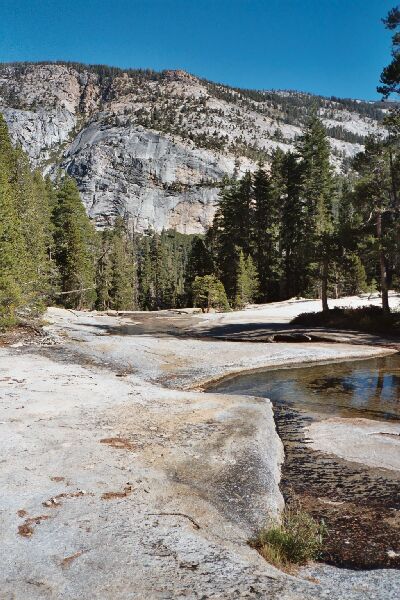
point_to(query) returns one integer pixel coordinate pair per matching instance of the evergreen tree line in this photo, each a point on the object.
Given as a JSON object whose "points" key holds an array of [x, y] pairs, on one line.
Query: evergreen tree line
{"points": [[50, 252], [294, 229], [299, 229]]}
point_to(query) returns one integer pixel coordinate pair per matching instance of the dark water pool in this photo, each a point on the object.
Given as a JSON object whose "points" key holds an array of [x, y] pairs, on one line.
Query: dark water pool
{"points": [[359, 505]]}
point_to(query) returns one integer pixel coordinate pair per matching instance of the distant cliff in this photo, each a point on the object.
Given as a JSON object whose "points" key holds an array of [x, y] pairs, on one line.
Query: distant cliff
{"points": [[156, 145]]}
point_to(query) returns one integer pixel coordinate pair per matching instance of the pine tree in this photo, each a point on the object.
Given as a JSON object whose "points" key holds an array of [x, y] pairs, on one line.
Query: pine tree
{"points": [[11, 253], [266, 232], [199, 263], [26, 213], [75, 248], [247, 285], [209, 293], [374, 192], [163, 289], [123, 269], [317, 184], [390, 77], [34, 213], [233, 227], [350, 273], [146, 275], [223, 236], [104, 270], [293, 232], [352, 277]]}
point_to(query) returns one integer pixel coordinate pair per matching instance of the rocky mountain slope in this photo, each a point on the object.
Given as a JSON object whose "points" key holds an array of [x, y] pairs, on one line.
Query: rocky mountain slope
{"points": [[156, 145]]}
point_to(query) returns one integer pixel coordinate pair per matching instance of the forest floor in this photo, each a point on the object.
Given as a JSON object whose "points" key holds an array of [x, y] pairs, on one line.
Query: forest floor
{"points": [[121, 480]]}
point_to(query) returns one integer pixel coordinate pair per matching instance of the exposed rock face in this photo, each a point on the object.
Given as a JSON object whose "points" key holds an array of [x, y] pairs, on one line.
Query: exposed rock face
{"points": [[158, 182], [41, 132], [156, 145]]}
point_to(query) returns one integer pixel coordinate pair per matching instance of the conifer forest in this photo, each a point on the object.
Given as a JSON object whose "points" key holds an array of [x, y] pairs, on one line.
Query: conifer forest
{"points": [[293, 228]]}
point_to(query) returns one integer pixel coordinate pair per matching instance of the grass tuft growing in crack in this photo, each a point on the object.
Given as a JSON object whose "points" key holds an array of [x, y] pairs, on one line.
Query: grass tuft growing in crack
{"points": [[297, 539]]}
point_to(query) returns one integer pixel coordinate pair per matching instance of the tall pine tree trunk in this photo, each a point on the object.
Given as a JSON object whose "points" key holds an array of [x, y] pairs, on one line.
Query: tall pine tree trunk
{"points": [[324, 284], [382, 266]]}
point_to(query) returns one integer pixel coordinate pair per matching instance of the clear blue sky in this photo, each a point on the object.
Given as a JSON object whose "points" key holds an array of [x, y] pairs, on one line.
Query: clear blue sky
{"points": [[331, 47]]}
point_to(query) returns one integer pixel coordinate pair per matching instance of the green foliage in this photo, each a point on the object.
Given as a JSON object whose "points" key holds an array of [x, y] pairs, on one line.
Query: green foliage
{"points": [[293, 233], [317, 191], [376, 196], [267, 190], [352, 276], [199, 263], [11, 253], [26, 266], [75, 248], [208, 293], [247, 284], [123, 269], [162, 269], [317, 183], [116, 269], [297, 539], [390, 77], [7, 154], [283, 220], [291, 228], [35, 213]]}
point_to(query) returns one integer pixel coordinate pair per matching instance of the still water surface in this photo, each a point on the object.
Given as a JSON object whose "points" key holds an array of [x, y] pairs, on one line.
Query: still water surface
{"points": [[365, 388], [359, 505]]}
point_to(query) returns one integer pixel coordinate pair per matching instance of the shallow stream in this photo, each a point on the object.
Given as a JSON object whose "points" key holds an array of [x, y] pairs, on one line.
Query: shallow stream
{"points": [[360, 505]]}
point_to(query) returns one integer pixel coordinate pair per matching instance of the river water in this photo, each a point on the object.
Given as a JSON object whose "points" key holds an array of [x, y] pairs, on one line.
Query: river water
{"points": [[360, 505]]}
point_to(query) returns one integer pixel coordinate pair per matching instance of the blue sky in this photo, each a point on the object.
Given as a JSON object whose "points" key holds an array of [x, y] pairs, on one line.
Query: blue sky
{"points": [[331, 47]]}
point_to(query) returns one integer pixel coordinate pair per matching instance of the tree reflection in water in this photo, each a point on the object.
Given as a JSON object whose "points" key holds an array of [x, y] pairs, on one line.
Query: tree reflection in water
{"points": [[365, 388]]}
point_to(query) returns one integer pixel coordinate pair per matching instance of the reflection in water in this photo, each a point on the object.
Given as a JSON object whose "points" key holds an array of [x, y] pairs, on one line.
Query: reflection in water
{"points": [[359, 505], [368, 388]]}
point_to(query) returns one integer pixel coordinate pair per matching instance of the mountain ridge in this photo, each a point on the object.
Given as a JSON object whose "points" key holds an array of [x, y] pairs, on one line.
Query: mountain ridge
{"points": [[155, 145]]}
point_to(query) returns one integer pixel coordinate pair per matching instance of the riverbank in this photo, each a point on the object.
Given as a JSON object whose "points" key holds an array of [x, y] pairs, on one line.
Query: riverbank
{"points": [[340, 426], [120, 482]]}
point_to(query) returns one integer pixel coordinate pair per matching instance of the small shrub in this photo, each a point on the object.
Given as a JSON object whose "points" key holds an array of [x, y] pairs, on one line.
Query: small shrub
{"points": [[296, 540], [209, 292]]}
